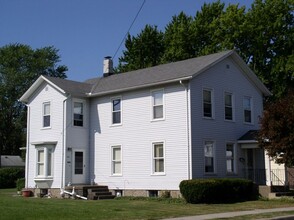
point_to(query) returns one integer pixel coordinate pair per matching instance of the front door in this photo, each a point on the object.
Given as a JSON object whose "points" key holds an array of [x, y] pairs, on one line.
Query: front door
{"points": [[78, 176]]}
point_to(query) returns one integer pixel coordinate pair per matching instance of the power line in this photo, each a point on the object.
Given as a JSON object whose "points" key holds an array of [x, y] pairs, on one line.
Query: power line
{"points": [[129, 29]]}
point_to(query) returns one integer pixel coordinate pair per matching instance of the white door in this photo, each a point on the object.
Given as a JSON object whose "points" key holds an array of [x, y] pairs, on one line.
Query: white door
{"points": [[78, 176]]}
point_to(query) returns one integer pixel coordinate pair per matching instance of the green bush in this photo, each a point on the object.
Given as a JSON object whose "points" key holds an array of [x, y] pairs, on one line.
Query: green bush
{"points": [[8, 177], [20, 184], [218, 190]]}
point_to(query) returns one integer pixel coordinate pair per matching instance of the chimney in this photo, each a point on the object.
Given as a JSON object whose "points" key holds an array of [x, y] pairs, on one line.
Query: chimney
{"points": [[107, 66]]}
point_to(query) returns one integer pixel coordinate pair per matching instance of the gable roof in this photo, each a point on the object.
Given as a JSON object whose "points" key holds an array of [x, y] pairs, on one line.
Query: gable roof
{"points": [[11, 161], [157, 75]]}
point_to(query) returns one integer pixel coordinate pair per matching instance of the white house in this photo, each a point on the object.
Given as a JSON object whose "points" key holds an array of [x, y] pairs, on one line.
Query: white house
{"points": [[144, 131]]}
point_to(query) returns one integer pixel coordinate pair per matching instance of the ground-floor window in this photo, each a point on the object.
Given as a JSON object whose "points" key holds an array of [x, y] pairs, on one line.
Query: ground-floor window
{"points": [[44, 160], [230, 157], [209, 156], [158, 157], [116, 160]]}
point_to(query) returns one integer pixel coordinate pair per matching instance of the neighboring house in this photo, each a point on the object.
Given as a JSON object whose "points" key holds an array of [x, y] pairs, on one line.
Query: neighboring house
{"points": [[11, 161], [145, 131]]}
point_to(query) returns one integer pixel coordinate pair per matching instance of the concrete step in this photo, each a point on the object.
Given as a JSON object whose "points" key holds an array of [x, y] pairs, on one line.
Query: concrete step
{"points": [[104, 197]]}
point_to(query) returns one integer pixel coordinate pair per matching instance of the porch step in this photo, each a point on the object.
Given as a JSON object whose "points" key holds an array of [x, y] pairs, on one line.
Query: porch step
{"points": [[96, 192], [100, 197]]}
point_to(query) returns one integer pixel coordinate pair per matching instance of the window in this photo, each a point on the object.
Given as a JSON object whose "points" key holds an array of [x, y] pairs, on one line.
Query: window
{"points": [[78, 114], [247, 106], [116, 160], [116, 111], [44, 161], [228, 106], [207, 103], [158, 158], [230, 156], [157, 104], [209, 156], [46, 114]]}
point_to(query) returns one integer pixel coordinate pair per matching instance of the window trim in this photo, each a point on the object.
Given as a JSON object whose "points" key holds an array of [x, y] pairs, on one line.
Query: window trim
{"points": [[213, 156], [153, 173], [152, 104], [233, 158], [121, 110], [43, 115], [112, 147], [212, 103], [47, 149], [83, 112], [233, 106], [251, 110]]}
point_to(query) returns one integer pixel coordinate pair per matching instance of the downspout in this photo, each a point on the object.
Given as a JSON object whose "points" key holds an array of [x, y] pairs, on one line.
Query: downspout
{"points": [[63, 143], [188, 128], [28, 147]]}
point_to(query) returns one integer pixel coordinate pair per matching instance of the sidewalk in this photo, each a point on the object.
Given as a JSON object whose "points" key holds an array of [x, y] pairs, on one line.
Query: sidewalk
{"points": [[239, 213]]}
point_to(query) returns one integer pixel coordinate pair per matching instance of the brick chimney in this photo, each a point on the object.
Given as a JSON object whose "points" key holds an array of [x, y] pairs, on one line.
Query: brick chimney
{"points": [[107, 66]]}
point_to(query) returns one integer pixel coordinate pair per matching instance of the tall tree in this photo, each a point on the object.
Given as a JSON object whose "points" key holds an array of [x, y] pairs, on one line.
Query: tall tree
{"points": [[144, 50], [271, 43], [20, 66], [178, 39], [277, 130]]}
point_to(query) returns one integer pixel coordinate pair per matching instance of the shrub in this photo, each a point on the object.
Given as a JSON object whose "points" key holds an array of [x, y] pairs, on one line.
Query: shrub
{"points": [[8, 177], [218, 190], [20, 184]]}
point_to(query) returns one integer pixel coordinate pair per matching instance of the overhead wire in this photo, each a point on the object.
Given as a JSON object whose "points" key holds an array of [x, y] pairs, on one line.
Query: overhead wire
{"points": [[140, 9]]}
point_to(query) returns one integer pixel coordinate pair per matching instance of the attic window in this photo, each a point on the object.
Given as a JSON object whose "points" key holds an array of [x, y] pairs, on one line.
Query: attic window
{"points": [[46, 114]]}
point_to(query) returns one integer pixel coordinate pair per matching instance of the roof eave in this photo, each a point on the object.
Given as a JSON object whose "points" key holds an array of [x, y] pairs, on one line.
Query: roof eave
{"points": [[139, 87]]}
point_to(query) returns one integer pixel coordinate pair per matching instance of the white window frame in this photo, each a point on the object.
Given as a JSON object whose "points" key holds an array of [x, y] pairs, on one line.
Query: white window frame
{"points": [[153, 106], [154, 159], [248, 109], [48, 162], [112, 111], [83, 112], [212, 155], [115, 161], [231, 158], [46, 115], [232, 106], [212, 103]]}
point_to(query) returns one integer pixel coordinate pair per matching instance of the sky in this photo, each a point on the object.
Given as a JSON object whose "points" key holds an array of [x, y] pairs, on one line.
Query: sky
{"points": [[85, 31]]}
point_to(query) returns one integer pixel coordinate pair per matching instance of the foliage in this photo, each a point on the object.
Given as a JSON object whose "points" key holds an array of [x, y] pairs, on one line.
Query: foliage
{"points": [[20, 184], [9, 176], [277, 130], [20, 66], [217, 190], [263, 35]]}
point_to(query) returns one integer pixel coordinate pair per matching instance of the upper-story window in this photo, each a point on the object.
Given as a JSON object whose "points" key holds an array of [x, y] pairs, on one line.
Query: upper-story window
{"points": [[116, 110], [229, 110], [46, 114], [157, 104], [207, 103], [78, 117], [247, 108]]}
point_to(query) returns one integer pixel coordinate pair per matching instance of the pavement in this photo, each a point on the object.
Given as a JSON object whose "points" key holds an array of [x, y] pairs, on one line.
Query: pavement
{"points": [[239, 213]]}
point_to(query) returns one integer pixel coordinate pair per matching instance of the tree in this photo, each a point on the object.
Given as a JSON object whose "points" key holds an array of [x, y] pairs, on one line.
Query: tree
{"points": [[178, 41], [276, 135], [144, 50], [20, 66]]}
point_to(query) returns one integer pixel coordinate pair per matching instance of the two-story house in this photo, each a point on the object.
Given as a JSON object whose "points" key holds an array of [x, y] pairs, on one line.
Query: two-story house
{"points": [[144, 131]]}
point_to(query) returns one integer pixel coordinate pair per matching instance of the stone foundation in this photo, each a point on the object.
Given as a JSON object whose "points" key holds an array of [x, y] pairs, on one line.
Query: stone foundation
{"points": [[145, 193]]}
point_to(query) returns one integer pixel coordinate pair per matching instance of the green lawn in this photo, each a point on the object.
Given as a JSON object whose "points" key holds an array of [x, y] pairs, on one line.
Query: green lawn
{"points": [[16, 207]]}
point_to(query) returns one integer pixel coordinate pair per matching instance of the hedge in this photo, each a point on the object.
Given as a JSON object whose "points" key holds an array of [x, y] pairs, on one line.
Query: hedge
{"points": [[222, 190], [8, 177]]}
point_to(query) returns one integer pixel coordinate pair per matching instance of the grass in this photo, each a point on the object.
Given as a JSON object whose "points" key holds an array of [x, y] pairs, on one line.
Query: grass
{"points": [[17, 207]]}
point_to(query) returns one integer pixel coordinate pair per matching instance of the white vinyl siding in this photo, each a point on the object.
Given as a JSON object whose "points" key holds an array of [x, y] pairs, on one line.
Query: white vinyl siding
{"points": [[207, 101], [209, 157], [78, 116], [46, 115], [157, 104], [229, 106], [116, 160], [247, 108], [158, 158], [116, 110]]}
